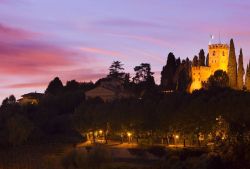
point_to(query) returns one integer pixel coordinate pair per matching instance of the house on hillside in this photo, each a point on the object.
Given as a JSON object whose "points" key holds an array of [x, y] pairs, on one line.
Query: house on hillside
{"points": [[30, 98], [108, 90]]}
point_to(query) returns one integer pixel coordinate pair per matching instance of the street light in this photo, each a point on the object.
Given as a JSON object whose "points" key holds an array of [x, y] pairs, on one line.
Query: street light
{"points": [[100, 132], [176, 138], [129, 136]]}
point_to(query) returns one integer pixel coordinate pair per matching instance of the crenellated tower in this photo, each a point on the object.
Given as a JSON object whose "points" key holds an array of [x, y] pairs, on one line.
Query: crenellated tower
{"points": [[218, 57], [218, 60]]}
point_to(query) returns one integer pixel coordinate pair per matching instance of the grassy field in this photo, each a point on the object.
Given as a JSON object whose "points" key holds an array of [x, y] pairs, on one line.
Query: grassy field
{"points": [[62, 156], [33, 157]]}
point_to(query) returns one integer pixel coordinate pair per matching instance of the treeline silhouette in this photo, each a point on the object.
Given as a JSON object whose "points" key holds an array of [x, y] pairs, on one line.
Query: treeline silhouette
{"points": [[64, 114]]}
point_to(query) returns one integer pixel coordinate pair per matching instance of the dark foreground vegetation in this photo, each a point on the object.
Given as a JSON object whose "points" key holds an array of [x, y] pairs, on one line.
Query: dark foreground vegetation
{"points": [[212, 124], [220, 115]]}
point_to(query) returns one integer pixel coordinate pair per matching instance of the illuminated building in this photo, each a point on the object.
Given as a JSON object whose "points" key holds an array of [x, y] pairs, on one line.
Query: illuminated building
{"points": [[218, 60]]}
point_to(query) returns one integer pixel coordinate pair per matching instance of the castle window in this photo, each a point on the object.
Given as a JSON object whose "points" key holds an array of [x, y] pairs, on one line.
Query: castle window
{"points": [[223, 53], [213, 53]]}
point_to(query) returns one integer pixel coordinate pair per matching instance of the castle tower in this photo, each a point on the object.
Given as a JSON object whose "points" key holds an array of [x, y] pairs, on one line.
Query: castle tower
{"points": [[218, 57], [218, 60]]}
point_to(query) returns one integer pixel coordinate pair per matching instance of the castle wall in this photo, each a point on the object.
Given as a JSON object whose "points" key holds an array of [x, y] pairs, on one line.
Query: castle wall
{"points": [[218, 60], [200, 74]]}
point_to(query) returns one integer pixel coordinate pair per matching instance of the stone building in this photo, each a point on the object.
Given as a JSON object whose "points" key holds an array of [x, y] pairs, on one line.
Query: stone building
{"points": [[218, 60], [108, 90], [30, 98]]}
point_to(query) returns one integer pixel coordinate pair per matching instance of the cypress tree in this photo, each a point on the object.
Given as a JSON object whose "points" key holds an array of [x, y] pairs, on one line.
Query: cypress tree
{"points": [[195, 61], [232, 66], [241, 71], [207, 60], [247, 78], [202, 58], [168, 73], [54, 87]]}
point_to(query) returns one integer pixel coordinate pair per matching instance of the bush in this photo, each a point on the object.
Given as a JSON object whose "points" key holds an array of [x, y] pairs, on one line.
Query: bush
{"points": [[96, 158], [19, 129], [139, 152], [157, 151], [185, 153]]}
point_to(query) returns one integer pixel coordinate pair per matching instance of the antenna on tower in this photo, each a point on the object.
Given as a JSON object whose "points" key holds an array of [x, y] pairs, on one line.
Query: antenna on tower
{"points": [[219, 38], [211, 38]]}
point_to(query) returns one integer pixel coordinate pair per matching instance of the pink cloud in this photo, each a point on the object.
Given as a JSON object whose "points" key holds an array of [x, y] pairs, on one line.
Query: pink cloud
{"points": [[128, 23], [83, 74], [8, 33], [100, 51], [143, 38], [26, 85], [31, 59]]}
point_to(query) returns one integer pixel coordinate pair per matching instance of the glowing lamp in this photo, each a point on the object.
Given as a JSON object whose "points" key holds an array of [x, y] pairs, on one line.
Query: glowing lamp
{"points": [[100, 131]]}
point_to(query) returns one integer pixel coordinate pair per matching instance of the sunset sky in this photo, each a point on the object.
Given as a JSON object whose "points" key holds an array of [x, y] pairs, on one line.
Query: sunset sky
{"points": [[78, 39]]}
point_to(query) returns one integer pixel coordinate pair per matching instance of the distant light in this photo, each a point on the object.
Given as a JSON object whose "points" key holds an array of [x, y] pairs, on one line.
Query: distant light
{"points": [[100, 131], [129, 134], [177, 136]]}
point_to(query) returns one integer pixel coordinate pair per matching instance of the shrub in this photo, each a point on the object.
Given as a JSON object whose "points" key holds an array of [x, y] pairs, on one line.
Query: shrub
{"points": [[157, 151], [96, 158], [139, 152]]}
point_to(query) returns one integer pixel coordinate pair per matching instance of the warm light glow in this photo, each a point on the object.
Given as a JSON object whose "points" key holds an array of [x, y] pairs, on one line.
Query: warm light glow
{"points": [[218, 60], [129, 134], [177, 136], [100, 131]]}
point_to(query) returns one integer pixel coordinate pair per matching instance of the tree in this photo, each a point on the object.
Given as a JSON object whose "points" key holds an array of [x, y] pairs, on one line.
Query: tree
{"points": [[126, 80], [220, 79], [241, 71], [202, 58], [195, 61], [207, 60], [247, 77], [72, 85], [11, 100], [182, 76], [19, 129], [116, 70], [183, 81], [232, 66], [143, 75], [54, 87], [168, 73]]}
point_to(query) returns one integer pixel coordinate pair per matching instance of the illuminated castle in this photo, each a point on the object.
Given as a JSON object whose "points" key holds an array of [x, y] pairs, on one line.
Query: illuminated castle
{"points": [[218, 60]]}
